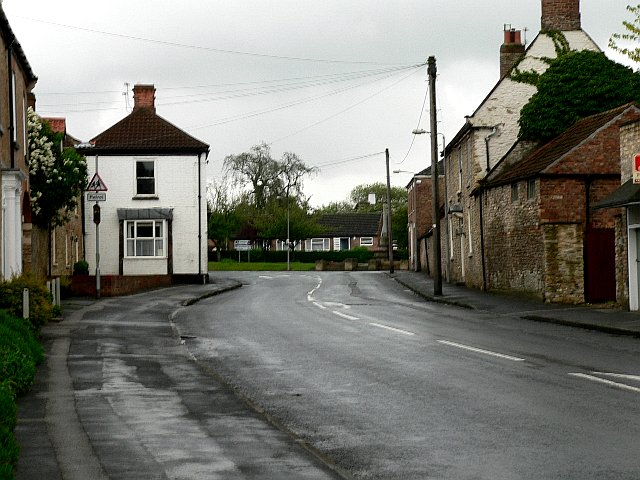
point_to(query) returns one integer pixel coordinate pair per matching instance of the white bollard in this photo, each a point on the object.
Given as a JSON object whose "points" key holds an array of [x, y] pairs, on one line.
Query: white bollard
{"points": [[25, 303]]}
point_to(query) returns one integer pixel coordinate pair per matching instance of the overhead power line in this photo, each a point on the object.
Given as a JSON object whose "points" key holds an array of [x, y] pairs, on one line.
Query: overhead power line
{"points": [[200, 47]]}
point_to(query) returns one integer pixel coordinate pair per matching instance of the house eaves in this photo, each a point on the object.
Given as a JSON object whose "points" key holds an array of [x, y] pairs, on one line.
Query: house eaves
{"points": [[11, 41]]}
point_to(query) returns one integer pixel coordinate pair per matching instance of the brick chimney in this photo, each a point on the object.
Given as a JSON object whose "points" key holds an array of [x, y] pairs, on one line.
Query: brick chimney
{"points": [[511, 50], [563, 15], [144, 96]]}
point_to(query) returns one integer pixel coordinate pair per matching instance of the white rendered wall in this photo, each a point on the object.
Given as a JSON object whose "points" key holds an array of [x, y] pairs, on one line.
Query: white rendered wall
{"points": [[176, 188]]}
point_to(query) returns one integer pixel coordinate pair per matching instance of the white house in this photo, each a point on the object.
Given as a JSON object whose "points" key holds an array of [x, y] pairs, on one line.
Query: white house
{"points": [[153, 221]]}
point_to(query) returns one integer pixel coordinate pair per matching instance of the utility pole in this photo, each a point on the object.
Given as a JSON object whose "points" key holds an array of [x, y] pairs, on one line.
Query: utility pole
{"points": [[437, 269], [389, 229]]}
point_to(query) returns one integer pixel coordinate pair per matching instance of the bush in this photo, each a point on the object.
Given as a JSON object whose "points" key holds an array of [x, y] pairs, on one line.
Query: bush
{"points": [[9, 453], [8, 408], [20, 352], [40, 300], [81, 268]]}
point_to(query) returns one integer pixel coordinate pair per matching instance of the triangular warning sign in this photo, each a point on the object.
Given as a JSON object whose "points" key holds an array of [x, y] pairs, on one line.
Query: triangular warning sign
{"points": [[96, 184]]}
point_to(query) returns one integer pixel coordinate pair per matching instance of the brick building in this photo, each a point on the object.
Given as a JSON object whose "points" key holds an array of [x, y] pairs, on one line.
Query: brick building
{"points": [[624, 205], [16, 82], [541, 235]]}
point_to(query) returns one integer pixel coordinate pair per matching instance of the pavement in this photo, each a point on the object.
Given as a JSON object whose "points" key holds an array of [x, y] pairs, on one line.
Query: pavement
{"points": [[602, 318], [39, 459]]}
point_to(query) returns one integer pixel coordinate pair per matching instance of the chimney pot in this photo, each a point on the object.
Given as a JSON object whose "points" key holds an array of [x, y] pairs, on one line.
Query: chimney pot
{"points": [[511, 50]]}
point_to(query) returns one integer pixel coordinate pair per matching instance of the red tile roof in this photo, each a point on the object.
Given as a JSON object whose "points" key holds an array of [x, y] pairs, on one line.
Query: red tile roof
{"points": [[553, 151], [143, 131]]}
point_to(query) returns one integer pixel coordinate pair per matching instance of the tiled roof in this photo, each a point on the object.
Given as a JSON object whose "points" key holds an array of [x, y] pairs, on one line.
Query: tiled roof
{"points": [[143, 131], [351, 224], [553, 151]]}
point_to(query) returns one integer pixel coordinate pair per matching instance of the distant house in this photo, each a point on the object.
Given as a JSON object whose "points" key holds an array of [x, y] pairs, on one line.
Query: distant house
{"points": [[541, 235], [153, 222], [16, 80], [346, 231]]}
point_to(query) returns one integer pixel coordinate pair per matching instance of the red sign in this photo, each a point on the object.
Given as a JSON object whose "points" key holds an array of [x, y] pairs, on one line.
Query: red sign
{"points": [[96, 184]]}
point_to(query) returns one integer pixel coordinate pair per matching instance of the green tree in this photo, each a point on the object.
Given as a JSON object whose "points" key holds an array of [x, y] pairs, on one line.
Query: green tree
{"points": [[576, 85], [267, 178], [57, 175], [631, 36]]}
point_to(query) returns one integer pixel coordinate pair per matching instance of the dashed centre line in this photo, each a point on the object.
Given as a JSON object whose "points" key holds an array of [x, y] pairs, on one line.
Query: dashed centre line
{"points": [[604, 381], [480, 350], [344, 315], [392, 329]]}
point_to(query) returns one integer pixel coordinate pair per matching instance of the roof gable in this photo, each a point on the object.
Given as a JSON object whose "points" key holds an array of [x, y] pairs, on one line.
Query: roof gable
{"points": [[143, 131]]}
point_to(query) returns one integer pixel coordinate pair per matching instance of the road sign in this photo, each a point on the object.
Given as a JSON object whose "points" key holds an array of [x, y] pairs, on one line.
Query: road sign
{"points": [[96, 196], [636, 169], [242, 245], [96, 184]]}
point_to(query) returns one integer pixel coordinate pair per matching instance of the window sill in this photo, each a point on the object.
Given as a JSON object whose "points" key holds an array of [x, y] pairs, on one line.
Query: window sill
{"points": [[145, 197]]}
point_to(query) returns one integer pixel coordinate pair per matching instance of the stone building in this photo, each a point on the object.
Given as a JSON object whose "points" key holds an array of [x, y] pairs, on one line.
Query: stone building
{"points": [[541, 234], [491, 132]]}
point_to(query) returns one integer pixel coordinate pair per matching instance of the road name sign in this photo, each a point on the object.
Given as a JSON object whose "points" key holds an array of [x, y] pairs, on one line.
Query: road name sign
{"points": [[242, 245], [96, 196]]}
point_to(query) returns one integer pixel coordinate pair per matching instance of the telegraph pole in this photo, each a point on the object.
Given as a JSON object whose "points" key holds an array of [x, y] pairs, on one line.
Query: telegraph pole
{"points": [[389, 229], [437, 270]]}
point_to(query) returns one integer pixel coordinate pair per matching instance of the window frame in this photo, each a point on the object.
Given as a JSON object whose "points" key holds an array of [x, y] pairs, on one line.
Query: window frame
{"points": [[133, 239], [368, 243], [137, 178]]}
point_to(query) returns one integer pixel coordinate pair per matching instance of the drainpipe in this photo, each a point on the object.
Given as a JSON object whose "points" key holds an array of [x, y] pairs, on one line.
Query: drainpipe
{"points": [[11, 100], [200, 218]]}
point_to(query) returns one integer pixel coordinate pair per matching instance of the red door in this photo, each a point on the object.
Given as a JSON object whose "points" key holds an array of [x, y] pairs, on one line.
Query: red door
{"points": [[600, 265]]}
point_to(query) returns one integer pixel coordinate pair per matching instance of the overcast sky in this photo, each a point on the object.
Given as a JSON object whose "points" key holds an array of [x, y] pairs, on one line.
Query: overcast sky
{"points": [[335, 81]]}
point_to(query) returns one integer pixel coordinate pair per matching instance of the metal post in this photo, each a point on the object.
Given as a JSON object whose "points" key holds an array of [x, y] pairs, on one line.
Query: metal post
{"points": [[288, 232], [437, 270], [389, 230], [97, 248]]}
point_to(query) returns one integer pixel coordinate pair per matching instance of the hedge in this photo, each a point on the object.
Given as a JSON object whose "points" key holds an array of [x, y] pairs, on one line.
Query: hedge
{"points": [[363, 255], [40, 301]]}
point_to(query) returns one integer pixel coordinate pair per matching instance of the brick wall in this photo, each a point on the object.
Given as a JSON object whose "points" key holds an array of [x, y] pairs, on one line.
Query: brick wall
{"points": [[560, 15]]}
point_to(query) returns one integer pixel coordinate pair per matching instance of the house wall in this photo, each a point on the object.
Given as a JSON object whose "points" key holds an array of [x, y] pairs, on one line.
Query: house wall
{"points": [[67, 244], [626, 267], [513, 241], [15, 235], [493, 124], [177, 188]]}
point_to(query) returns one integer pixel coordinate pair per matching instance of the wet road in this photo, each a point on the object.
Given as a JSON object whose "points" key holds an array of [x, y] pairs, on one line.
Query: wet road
{"points": [[391, 387]]}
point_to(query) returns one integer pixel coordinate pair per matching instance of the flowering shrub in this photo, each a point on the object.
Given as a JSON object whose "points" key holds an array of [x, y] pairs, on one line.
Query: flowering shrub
{"points": [[57, 175]]}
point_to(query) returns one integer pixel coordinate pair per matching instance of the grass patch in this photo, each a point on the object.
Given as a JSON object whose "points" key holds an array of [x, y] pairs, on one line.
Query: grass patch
{"points": [[233, 266]]}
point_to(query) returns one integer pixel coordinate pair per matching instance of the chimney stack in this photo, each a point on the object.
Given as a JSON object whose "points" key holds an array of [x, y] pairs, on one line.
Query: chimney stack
{"points": [[144, 96], [560, 15], [511, 50]]}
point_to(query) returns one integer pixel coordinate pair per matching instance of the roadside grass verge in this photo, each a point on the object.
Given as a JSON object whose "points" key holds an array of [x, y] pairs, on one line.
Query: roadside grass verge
{"points": [[233, 266]]}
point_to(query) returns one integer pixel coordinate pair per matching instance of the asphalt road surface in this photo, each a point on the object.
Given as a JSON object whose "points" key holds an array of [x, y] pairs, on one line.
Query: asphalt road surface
{"points": [[389, 386]]}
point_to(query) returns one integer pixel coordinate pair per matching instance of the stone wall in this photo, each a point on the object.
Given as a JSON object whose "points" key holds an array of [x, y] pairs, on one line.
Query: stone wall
{"points": [[563, 263]]}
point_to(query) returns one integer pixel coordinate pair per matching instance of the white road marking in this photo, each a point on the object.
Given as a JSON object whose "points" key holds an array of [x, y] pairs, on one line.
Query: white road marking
{"points": [[396, 330], [604, 381], [633, 378], [319, 305], [479, 350], [344, 315], [265, 276]]}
